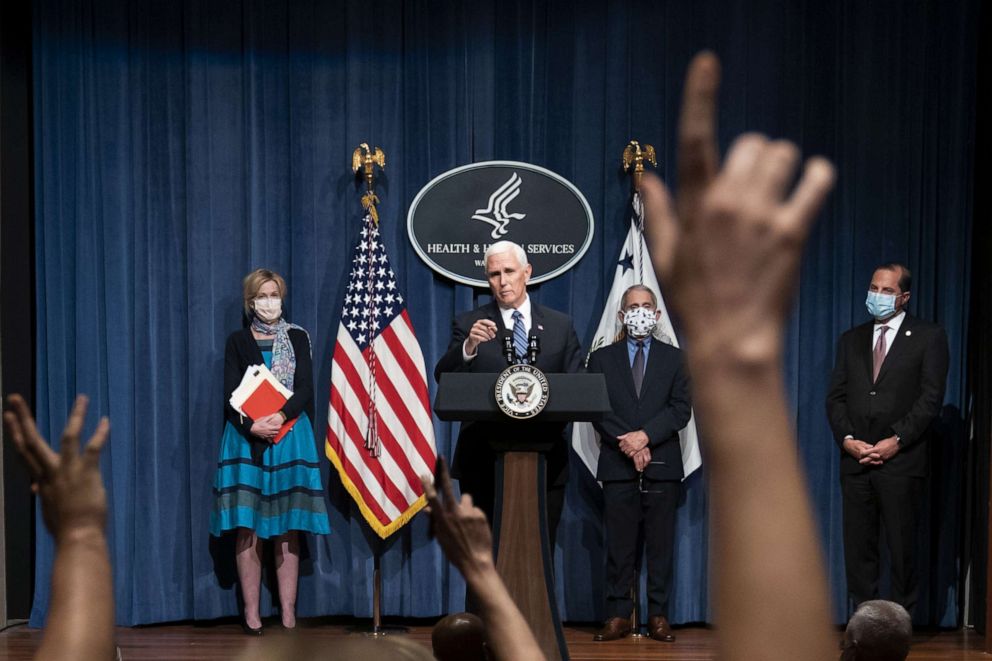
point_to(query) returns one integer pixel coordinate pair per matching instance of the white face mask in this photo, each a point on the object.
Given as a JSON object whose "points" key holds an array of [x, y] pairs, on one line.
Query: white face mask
{"points": [[268, 309], [639, 321]]}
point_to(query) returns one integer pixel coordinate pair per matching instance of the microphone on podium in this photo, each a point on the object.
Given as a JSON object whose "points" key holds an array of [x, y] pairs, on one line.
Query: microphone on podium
{"points": [[533, 348]]}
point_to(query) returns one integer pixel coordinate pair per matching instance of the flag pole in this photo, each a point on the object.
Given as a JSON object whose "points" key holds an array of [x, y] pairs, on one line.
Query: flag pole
{"points": [[363, 162], [633, 159], [377, 593]]}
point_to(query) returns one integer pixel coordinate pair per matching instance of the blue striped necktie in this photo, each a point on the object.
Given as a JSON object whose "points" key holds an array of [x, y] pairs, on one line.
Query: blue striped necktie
{"points": [[519, 337]]}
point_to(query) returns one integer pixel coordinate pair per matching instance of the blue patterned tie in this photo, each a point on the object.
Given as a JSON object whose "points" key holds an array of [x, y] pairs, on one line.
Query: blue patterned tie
{"points": [[519, 336]]}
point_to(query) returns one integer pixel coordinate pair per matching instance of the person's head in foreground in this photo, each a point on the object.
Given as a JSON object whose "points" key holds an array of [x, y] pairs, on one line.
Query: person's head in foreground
{"points": [[878, 631], [459, 637]]}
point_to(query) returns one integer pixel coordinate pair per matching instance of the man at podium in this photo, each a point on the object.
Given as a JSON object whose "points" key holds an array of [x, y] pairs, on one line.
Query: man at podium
{"points": [[473, 349]]}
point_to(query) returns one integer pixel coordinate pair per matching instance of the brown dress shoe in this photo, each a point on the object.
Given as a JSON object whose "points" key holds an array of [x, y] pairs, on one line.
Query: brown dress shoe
{"points": [[614, 629], [659, 629]]}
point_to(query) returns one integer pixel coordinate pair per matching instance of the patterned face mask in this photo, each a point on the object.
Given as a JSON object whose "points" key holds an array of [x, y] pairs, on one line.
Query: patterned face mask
{"points": [[639, 321]]}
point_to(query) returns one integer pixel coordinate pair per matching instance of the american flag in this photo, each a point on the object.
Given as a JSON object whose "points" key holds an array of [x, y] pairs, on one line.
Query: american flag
{"points": [[380, 435]]}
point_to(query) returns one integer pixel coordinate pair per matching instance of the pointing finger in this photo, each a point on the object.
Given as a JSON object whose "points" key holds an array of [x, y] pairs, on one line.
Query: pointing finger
{"points": [[697, 152]]}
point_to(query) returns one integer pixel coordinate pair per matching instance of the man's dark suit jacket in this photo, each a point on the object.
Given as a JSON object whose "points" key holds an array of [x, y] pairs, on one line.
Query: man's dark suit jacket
{"points": [[903, 402], [560, 353], [662, 410]]}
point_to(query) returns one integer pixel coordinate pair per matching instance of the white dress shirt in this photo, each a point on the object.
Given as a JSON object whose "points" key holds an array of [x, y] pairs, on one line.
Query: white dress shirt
{"points": [[890, 335]]}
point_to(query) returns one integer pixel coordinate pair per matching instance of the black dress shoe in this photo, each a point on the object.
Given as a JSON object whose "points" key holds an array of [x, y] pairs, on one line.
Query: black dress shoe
{"points": [[659, 629], [249, 630], [615, 628]]}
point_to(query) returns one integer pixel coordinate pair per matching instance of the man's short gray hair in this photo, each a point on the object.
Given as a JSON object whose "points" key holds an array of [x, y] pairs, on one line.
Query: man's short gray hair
{"points": [[644, 288], [880, 631], [501, 247]]}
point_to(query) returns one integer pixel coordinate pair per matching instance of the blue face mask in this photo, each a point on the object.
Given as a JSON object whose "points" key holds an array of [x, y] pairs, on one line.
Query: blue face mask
{"points": [[881, 306]]}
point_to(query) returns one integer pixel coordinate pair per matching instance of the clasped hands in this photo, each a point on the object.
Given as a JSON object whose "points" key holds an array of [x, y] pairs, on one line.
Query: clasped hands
{"points": [[872, 455], [634, 444], [268, 426]]}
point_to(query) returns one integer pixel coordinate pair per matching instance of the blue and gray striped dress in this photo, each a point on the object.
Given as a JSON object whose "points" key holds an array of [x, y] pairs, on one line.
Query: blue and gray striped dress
{"points": [[284, 493]]}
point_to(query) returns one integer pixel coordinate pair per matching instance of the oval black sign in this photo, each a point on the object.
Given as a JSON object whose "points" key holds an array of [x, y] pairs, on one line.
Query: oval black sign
{"points": [[456, 216]]}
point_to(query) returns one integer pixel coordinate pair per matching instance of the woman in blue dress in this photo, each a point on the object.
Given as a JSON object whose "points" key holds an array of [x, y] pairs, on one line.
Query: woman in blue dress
{"points": [[268, 490]]}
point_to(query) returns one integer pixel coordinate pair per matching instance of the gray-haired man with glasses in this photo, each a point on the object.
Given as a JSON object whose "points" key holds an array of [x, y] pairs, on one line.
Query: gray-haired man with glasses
{"points": [[640, 464]]}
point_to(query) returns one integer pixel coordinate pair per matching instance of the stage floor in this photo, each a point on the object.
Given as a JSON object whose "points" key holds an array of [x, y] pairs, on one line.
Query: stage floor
{"points": [[188, 642]]}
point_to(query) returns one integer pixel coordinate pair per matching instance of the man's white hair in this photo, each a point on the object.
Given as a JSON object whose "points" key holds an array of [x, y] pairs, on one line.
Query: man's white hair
{"points": [[501, 247]]}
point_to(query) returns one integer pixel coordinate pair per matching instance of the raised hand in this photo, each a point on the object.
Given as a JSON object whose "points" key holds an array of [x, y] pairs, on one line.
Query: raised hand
{"points": [[728, 248], [460, 527], [69, 483]]}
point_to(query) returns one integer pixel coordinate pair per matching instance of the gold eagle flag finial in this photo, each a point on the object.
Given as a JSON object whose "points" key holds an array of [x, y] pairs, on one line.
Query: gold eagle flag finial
{"points": [[634, 155], [364, 158]]}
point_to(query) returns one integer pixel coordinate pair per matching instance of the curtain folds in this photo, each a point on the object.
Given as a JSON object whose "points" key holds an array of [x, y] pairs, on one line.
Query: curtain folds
{"points": [[180, 145]]}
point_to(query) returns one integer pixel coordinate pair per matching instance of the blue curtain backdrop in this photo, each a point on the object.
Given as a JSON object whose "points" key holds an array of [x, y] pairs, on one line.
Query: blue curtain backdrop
{"points": [[180, 144]]}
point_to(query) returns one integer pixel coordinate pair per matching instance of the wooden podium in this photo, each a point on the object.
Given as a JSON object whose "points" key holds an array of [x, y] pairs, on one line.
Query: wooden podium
{"points": [[520, 528]]}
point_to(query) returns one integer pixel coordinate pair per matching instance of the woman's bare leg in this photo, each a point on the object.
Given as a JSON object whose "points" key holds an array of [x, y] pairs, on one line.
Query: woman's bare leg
{"points": [[288, 573]]}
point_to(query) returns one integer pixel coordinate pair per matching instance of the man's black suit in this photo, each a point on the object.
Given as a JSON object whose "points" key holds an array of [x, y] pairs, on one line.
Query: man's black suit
{"points": [[903, 402], [474, 461], [662, 409]]}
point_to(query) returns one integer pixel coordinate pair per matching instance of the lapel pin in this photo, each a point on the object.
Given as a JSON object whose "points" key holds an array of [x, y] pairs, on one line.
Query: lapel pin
{"points": [[908, 333], [541, 328]]}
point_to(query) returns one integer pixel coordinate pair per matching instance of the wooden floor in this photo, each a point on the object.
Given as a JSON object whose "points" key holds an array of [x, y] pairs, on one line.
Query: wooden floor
{"points": [[187, 642]]}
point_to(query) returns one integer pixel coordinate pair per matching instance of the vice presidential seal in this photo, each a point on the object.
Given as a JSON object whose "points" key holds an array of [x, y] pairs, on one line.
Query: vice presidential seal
{"points": [[522, 391]]}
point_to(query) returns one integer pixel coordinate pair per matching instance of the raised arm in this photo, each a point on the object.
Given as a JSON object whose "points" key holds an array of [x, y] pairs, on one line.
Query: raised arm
{"points": [[74, 506], [728, 251], [464, 534]]}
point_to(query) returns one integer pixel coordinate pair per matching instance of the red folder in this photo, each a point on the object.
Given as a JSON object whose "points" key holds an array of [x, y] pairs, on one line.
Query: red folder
{"points": [[266, 400]]}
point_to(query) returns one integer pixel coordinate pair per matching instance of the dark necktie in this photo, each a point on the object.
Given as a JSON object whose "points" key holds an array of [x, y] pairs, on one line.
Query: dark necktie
{"points": [[878, 355], [638, 367], [519, 336]]}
